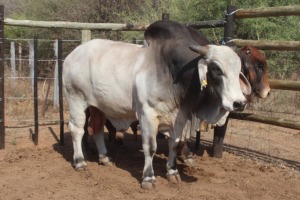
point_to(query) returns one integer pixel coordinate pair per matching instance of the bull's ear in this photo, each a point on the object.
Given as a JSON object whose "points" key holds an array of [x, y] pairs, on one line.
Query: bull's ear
{"points": [[245, 85], [202, 71], [203, 50]]}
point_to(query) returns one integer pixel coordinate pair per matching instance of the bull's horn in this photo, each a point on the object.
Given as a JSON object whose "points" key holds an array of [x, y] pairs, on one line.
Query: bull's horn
{"points": [[203, 50]]}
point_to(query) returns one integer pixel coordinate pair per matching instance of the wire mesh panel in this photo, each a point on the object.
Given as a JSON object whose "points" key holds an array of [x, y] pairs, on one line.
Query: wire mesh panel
{"points": [[257, 140], [19, 97], [265, 142]]}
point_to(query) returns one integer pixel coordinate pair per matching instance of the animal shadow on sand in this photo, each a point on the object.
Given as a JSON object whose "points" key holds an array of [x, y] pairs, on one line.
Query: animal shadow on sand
{"points": [[129, 156]]}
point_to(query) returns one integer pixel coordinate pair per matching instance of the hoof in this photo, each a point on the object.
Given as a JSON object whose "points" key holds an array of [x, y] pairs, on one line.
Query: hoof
{"points": [[78, 169], [189, 162], [148, 185], [106, 161], [174, 178], [80, 166]]}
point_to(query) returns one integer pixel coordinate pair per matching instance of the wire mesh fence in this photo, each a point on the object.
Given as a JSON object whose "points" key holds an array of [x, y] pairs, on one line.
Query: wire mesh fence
{"points": [[276, 145], [259, 141], [19, 81]]}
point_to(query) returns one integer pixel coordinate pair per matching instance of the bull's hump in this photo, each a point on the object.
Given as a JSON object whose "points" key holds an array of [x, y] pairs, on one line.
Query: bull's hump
{"points": [[164, 30]]}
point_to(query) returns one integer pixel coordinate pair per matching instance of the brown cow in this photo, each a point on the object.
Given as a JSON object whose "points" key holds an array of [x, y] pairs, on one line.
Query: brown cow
{"points": [[254, 67]]}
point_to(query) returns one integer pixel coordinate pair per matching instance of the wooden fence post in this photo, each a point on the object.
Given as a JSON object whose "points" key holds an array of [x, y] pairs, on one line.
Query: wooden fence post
{"points": [[86, 35], [55, 82], [13, 61], [20, 58], [165, 16], [2, 127], [31, 61], [229, 25], [35, 91], [219, 132], [134, 40]]}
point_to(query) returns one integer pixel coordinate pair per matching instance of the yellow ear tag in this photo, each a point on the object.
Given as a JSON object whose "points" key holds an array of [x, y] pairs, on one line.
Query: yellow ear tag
{"points": [[203, 84]]}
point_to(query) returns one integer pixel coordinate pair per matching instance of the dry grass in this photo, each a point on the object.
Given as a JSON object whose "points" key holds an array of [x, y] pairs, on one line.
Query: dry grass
{"points": [[19, 103]]}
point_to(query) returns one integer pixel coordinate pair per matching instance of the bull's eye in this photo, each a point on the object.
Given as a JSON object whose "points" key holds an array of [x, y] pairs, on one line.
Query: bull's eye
{"points": [[260, 66], [215, 69]]}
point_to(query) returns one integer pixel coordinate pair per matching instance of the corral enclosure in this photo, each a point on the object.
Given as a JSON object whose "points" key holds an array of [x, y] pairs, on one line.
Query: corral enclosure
{"points": [[267, 165]]}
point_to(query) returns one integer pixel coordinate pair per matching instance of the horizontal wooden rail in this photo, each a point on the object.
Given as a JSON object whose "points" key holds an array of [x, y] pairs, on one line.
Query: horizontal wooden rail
{"points": [[269, 44], [274, 84], [207, 24], [284, 85], [268, 12], [102, 26], [76, 25], [266, 120]]}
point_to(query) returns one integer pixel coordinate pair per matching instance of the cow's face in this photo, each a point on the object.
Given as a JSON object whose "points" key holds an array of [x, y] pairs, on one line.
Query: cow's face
{"points": [[254, 67], [223, 77]]}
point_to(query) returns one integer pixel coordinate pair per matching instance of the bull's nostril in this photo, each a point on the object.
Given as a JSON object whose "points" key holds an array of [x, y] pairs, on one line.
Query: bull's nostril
{"points": [[236, 105], [239, 105]]}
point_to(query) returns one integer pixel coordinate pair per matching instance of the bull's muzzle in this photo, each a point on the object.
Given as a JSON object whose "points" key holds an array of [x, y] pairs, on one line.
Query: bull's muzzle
{"points": [[239, 105]]}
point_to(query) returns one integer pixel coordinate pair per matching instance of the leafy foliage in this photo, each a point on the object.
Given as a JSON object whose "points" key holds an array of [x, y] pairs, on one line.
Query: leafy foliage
{"points": [[281, 64]]}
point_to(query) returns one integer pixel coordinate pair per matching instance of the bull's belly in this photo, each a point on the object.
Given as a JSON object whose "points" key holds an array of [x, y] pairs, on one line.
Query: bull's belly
{"points": [[121, 124], [114, 108]]}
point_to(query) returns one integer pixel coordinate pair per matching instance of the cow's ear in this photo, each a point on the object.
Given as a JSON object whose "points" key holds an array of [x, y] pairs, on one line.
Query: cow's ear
{"points": [[202, 71], [245, 50], [245, 85], [248, 50]]}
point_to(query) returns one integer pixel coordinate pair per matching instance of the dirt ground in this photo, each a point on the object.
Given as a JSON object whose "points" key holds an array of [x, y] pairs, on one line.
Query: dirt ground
{"points": [[45, 172]]}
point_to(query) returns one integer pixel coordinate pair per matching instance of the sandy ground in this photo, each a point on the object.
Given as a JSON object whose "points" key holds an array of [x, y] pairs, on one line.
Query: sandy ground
{"points": [[45, 172]]}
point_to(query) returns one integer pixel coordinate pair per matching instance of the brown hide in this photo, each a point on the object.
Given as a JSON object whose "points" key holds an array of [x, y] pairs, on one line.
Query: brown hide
{"points": [[254, 67]]}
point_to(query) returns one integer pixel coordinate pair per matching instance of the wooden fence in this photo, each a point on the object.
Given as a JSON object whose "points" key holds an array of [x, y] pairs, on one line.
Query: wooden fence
{"points": [[228, 24], [231, 15]]}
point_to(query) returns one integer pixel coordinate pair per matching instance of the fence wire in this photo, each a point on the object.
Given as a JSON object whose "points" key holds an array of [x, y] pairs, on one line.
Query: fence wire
{"points": [[18, 84], [275, 145], [256, 140]]}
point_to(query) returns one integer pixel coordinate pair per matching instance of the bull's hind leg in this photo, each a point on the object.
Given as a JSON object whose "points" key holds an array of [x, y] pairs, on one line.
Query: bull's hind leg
{"points": [[76, 124], [100, 143], [77, 131], [77, 134], [185, 153], [96, 125], [102, 151]]}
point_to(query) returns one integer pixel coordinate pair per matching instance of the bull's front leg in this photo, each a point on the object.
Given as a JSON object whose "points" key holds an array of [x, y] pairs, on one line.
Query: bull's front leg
{"points": [[172, 172]]}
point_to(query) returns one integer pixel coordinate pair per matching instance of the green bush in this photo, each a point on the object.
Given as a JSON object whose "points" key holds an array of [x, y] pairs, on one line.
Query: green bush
{"points": [[281, 64]]}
